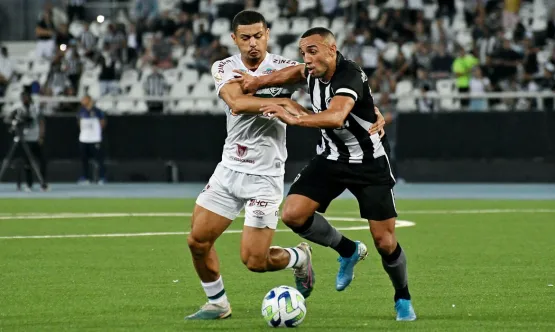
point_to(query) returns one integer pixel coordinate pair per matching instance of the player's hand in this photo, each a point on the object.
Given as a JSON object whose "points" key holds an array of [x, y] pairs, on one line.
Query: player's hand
{"points": [[249, 84], [276, 111], [377, 127]]}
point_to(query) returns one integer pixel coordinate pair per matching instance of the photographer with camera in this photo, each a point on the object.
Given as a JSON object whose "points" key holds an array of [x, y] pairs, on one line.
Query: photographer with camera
{"points": [[27, 125], [92, 122]]}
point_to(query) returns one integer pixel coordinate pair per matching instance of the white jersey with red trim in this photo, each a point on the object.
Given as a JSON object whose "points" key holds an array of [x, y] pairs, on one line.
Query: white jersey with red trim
{"points": [[255, 144]]}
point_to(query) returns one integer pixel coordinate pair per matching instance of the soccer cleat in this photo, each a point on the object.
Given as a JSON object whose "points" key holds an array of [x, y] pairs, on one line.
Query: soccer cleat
{"points": [[211, 311], [304, 275], [346, 266], [405, 311]]}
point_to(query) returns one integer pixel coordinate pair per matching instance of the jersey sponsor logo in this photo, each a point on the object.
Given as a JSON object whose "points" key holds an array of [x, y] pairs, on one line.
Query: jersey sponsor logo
{"points": [[297, 177], [241, 150], [258, 202], [268, 71], [281, 61], [205, 188], [363, 76]]}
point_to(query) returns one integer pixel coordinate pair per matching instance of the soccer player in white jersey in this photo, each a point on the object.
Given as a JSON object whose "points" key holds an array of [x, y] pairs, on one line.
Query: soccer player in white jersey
{"points": [[249, 176]]}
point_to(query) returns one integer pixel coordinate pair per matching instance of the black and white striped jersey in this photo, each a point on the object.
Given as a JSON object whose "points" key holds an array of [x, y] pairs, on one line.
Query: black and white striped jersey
{"points": [[350, 143]]}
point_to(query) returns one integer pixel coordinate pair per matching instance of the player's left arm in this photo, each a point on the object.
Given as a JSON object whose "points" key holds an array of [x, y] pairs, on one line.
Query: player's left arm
{"points": [[334, 117]]}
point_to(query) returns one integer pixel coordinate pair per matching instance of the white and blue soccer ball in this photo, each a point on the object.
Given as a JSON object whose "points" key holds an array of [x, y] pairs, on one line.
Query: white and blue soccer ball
{"points": [[284, 306]]}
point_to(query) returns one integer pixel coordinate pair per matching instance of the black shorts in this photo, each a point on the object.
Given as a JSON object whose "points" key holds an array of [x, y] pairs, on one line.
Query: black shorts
{"points": [[322, 180]]}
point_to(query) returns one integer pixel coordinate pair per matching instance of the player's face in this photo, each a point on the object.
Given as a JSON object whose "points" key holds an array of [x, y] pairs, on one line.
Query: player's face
{"points": [[252, 40], [317, 54]]}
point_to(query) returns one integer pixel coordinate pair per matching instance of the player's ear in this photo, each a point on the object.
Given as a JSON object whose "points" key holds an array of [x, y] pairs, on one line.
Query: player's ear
{"points": [[267, 33], [234, 37], [333, 48]]}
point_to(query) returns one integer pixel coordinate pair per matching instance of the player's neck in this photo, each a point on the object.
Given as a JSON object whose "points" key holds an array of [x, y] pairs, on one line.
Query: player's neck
{"points": [[253, 65], [331, 70]]}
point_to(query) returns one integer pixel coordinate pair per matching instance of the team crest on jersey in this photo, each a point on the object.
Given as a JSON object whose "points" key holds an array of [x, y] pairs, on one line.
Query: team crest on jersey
{"points": [[274, 91], [241, 150]]}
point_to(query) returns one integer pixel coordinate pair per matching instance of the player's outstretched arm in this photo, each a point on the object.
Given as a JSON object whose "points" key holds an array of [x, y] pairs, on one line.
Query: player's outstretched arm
{"points": [[333, 117], [240, 103], [286, 76]]}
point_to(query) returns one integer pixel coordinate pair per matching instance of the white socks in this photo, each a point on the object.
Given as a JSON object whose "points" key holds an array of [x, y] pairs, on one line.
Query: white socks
{"points": [[297, 257], [215, 291]]}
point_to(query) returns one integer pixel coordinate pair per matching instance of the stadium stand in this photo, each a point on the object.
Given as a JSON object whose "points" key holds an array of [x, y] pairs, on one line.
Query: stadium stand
{"points": [[511, 41]]}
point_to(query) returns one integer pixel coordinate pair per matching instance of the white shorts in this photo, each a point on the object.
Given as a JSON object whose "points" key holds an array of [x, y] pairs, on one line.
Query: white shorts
{"points": [[228, 192]]}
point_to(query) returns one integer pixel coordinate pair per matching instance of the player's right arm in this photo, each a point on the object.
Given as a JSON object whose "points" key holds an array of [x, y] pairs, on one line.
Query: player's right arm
{"points": [[233, 95], [239, 103], [287, 76]]}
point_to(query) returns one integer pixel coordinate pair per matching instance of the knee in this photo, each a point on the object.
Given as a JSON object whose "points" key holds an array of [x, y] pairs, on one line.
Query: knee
{"points": [[255, 263], [293, 217], [385, 242], [198, 248]]}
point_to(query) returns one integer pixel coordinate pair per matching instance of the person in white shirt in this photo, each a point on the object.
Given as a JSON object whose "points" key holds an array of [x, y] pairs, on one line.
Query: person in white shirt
{"points": [[478, 84], [92, 122]]}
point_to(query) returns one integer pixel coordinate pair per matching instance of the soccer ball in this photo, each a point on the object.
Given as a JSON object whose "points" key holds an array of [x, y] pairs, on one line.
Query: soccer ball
{"points": [[283, 306]]}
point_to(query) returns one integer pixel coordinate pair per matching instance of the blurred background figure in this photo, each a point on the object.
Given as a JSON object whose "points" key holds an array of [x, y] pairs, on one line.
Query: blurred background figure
{"points": [[32, 123], [92, 122]]}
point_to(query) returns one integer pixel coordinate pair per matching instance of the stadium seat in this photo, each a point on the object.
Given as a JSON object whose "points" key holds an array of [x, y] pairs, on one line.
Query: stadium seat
{"points": [[140, 108], [21, 65], [430, 11], [205, 105], [338, 25], [220, 27], [172, 76], [94, 90], [447, 87], [321, 21], [106, 105], [164, 5], [202, 91], [374, 12], [464, 38], [300, 25], [404, 92], [280, 27], [189, 76], [198, 22], [177, 52], [88, 77], [94, 28], [124, 106], [41, 66], [76, 28], [307, 5], [184, 105], [206, 79], [407, 49], [391, 51], [291, 51], [539, 25], [13, 91], [128, 78]]}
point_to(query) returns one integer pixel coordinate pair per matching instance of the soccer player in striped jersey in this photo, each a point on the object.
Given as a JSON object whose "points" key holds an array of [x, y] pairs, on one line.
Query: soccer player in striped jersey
{"points": [[349, 157]]}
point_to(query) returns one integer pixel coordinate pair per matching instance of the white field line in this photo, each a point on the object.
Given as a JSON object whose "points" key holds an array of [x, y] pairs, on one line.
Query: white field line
{"points": [[37, 216], [484, 211], [399, 223]]}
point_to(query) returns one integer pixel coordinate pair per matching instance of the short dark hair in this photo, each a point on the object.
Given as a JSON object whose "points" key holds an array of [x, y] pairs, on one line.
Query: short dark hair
{"points": [[248, 17], [318, 31]]}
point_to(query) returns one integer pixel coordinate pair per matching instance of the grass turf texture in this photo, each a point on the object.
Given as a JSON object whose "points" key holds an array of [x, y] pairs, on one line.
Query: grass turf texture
{"points": [[494, 267]]}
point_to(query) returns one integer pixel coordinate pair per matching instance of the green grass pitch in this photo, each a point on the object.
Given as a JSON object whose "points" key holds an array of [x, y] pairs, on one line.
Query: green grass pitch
{"points": [[468, 270]]}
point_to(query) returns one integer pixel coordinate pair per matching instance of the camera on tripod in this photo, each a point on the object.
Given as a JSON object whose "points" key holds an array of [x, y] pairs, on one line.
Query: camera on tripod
{"points": [[19, 120]]}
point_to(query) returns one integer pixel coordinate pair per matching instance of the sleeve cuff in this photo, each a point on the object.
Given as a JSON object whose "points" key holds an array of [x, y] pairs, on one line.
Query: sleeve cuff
{"points": [[347, 92]]}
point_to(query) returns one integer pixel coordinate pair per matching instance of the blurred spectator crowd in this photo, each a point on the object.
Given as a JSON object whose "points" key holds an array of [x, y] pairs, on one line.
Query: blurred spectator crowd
{"points": [[414, 49]]}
